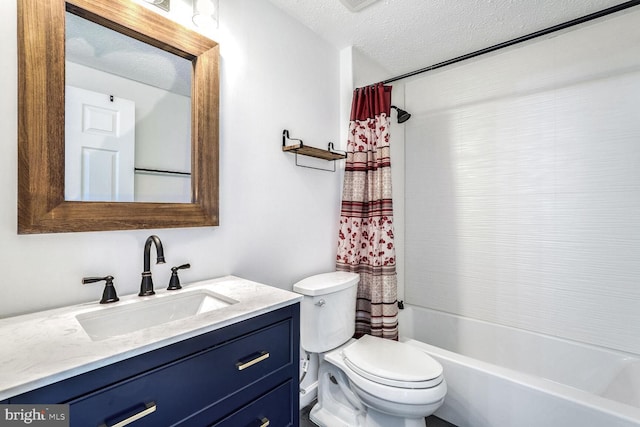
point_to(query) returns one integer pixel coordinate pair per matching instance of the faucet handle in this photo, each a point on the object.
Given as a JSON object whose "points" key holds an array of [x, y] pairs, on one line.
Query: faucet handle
{"points": [[109, 294], [174, 282]]}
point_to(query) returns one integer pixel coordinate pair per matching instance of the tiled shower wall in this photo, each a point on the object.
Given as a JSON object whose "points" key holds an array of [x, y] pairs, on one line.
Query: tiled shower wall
{"points": [[523, 186]]}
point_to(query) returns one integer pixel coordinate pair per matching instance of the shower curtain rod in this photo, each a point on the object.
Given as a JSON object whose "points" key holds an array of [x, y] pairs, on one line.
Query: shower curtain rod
{"points": [[517, 40]]}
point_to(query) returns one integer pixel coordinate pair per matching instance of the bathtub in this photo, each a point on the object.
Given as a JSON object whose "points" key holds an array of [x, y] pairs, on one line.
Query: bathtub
{"points": [[499, 376]]}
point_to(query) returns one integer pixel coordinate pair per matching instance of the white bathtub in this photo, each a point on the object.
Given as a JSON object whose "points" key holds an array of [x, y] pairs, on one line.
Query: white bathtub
{"points": [[499, 376]]}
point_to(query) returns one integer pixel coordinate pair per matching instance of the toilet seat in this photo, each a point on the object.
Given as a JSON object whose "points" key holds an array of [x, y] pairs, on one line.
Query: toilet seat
{"points": [[381, 391], [392, 363]]}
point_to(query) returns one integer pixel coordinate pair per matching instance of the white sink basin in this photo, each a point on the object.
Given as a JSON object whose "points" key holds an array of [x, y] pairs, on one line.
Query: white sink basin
{"points": [[111, 322]]}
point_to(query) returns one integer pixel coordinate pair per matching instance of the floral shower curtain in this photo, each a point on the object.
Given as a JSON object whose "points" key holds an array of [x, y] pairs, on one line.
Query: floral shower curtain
{"points": [[365, 241]]}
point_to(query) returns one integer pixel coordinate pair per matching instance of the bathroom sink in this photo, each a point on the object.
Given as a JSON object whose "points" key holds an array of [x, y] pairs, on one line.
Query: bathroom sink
{"points": [[111, 322]]}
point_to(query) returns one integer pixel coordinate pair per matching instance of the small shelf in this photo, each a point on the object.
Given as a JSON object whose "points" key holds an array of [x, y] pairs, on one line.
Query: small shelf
{"points": [[299, 148], [313, 152]]}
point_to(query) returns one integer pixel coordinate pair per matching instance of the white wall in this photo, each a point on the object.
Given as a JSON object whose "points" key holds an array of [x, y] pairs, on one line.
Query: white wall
{"points": [[278, 222], [523, 186]]}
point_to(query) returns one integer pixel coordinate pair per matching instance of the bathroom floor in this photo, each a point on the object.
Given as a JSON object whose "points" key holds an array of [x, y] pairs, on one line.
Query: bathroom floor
{"points": [[432, 421]]}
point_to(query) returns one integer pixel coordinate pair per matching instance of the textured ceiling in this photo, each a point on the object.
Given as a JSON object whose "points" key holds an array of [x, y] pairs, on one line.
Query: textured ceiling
{"points": [[406, 35], [98, 47]]}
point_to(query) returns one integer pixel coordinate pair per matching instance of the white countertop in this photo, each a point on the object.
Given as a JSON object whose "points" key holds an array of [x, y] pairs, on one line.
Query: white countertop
{"points": [[49, 346]]}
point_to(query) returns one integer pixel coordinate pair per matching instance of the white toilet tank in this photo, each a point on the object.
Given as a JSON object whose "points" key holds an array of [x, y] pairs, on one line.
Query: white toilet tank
{"points": [[328, 310]]}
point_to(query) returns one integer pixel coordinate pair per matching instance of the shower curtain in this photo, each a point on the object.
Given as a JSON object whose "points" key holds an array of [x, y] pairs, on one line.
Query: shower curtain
{"points": [[365, 240]]}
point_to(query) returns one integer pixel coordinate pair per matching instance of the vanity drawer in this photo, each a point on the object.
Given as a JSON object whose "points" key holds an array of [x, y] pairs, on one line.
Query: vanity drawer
{"points": [[173, 392], [272, 409]]}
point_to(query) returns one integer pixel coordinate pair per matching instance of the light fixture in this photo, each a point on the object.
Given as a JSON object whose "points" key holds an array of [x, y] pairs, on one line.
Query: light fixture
{"points": [[205, 13], [162, 4]]}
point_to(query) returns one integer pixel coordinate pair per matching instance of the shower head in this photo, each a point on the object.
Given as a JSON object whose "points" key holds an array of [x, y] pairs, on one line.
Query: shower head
{"points": [[403, 116]]}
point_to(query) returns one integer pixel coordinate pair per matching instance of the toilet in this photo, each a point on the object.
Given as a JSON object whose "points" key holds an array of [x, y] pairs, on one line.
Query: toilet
{"points": [[368, 382]]}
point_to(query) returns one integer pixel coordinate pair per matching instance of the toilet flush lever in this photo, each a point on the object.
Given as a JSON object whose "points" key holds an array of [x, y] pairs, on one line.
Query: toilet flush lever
{"points": [[321, 303]]}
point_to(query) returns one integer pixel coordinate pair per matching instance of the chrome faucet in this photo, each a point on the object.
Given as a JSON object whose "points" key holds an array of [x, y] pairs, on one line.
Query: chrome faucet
{"points": [[146, 287]]}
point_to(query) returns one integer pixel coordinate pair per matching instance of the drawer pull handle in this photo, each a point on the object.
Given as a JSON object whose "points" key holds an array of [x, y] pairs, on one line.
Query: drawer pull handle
{"points": [[149, 409], [264, 422], [244, 365]]}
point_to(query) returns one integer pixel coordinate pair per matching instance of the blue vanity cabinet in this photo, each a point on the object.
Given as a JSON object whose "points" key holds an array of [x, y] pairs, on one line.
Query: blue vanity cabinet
{"points": [[242, 374]]}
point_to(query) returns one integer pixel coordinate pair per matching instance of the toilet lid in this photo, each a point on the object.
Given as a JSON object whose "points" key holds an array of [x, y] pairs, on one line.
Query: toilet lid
{"points": [[392, 363]]}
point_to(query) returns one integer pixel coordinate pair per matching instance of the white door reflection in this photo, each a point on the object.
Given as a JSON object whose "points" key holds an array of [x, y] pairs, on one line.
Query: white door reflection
{"points": [[99, 147]]}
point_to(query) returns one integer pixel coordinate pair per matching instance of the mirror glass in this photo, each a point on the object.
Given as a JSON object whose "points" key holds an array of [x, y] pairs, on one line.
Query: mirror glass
{"points": [[127, 118]]}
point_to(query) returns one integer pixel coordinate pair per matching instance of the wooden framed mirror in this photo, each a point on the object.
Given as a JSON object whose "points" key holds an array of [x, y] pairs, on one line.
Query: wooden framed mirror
{"points": [[41, 120]]}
